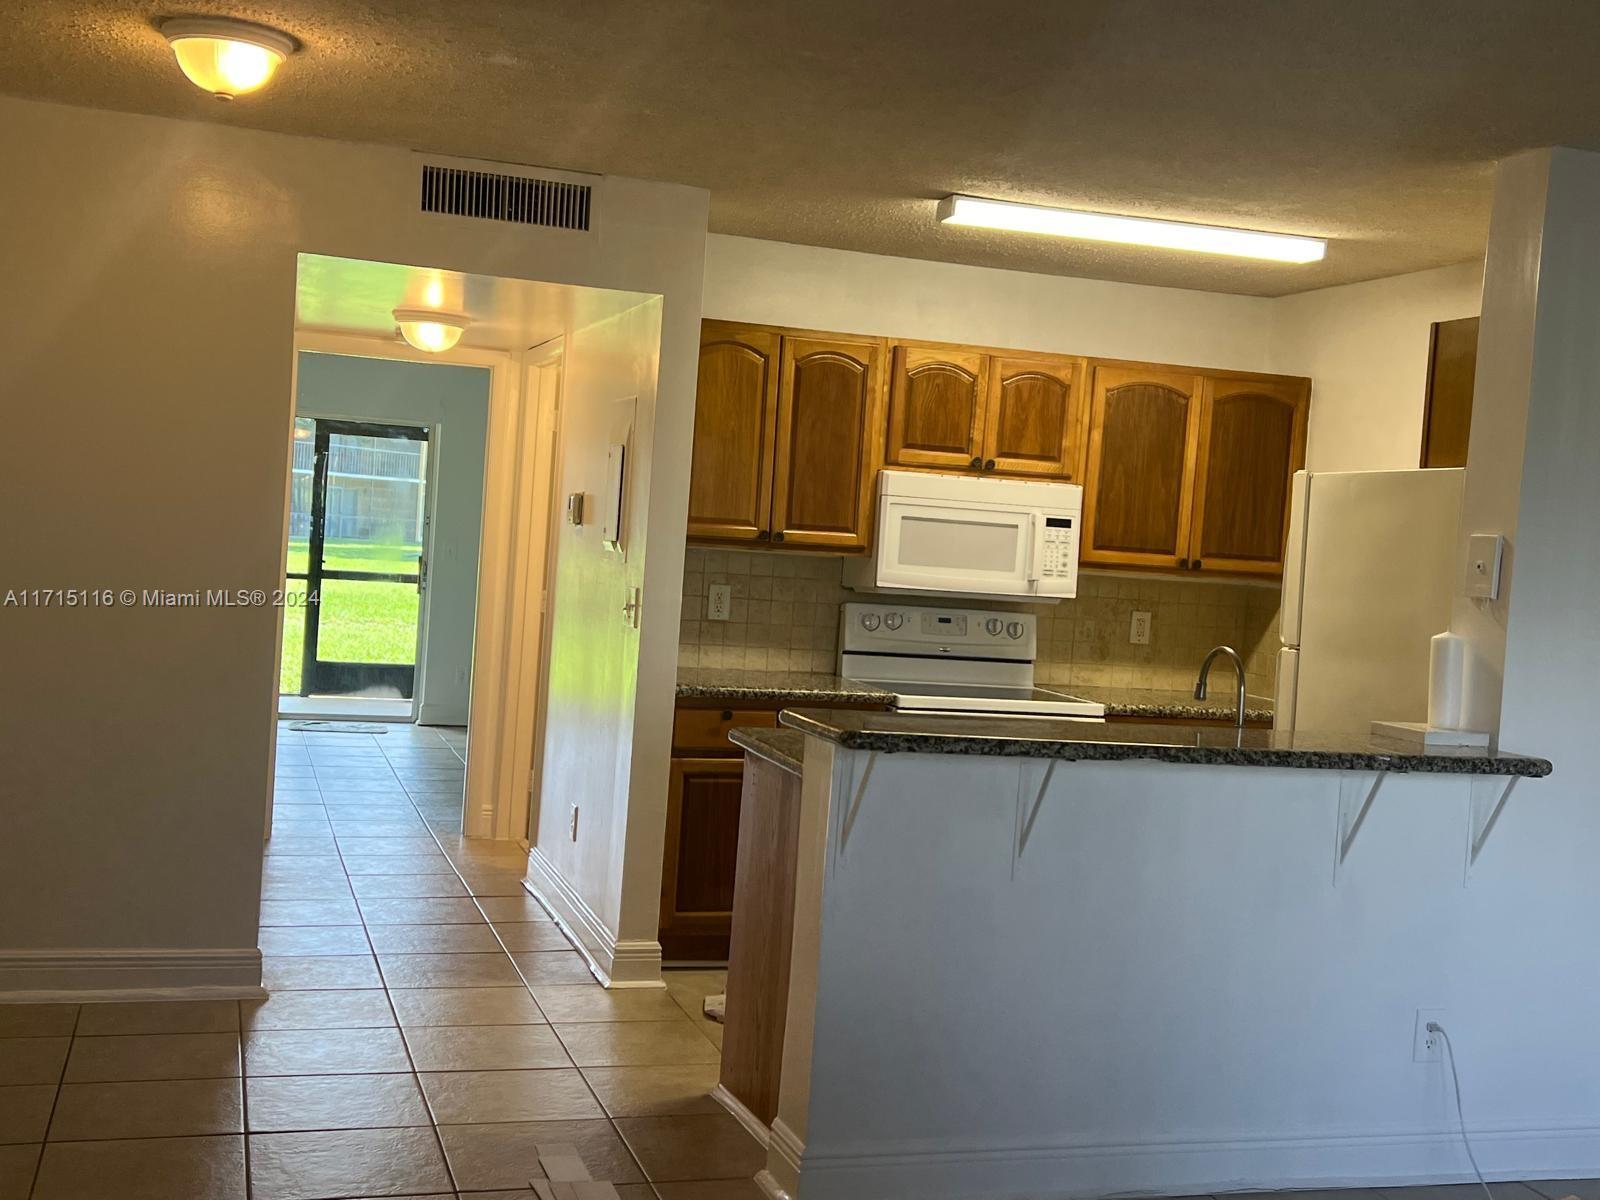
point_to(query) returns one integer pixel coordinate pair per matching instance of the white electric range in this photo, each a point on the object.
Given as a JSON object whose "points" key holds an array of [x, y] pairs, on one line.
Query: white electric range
{"points": [[955, 660]]}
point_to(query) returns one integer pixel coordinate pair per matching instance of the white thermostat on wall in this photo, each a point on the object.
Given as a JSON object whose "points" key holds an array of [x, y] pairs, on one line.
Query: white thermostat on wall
{"points": [[1484, 552]]}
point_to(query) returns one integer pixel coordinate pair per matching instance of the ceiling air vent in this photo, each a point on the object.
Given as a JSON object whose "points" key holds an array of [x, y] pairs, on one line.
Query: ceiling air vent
{"points": [[521, 199]]}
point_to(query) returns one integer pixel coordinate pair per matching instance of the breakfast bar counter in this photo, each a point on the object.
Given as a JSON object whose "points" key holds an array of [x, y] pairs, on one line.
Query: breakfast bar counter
{"points": [[1089, 741], [1028, 956]]}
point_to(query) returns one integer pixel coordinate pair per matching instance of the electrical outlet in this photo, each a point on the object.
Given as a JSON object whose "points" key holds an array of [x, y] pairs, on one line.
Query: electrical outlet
{"points": [[1427, 1047], [719, 599], [574, 822], [1139, 629]]}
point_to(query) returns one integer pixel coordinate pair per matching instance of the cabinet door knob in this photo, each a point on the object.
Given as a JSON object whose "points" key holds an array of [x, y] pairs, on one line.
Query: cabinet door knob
{"points": [[1183, 564], [778, 537], [763, 535], [976, 464], [1195, 565], [727, 714], [989, 466]]}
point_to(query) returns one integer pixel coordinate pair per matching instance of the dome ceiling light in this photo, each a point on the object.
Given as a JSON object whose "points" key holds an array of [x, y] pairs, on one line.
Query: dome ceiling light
{"points": [[431, 331], [225, 57]]}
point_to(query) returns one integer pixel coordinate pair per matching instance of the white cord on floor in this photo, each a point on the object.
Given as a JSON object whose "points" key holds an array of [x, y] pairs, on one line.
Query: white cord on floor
{"points": [[1461, 1116]]}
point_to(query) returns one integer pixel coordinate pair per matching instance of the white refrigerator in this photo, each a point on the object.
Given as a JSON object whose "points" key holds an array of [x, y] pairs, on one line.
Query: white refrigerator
{"points": [[1369, 572]]}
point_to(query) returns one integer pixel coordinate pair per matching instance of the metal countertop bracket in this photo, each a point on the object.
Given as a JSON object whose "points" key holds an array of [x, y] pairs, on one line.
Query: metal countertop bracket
{"points": [[1028, 809], [858, 789], [1356, 793], [1484, 806]]}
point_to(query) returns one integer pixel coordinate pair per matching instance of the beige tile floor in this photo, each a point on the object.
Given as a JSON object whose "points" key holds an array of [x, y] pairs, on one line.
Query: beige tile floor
{"points": [[428, 1026]]}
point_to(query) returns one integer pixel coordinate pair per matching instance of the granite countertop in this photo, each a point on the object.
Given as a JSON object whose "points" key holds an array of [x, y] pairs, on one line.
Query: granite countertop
{"points": [[782, 747], [1176, 705], [1088, 741], [798, 687]]}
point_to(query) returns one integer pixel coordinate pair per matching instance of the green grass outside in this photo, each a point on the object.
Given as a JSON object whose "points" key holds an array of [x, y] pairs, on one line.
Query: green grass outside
{"points": [[362, 620]]}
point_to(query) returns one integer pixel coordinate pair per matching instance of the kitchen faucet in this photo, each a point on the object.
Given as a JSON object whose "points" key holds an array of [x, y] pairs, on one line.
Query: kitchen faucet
{"points": [[1238, 668]]}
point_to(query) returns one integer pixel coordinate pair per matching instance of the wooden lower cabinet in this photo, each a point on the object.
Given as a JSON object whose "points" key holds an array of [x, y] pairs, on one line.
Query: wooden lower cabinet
{"points": [[702, 847]]}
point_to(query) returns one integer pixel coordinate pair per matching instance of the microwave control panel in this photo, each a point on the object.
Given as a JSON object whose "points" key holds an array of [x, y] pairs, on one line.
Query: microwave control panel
{"points": [[1060, 548]]}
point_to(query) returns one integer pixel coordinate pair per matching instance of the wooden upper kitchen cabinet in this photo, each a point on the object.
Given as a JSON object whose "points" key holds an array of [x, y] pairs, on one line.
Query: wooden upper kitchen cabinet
{"points": [[829, 441], [1144, 428], [955, 408], [735, 425], [1034, 417], [1447, 413], [1252, 441], [936, 408]]}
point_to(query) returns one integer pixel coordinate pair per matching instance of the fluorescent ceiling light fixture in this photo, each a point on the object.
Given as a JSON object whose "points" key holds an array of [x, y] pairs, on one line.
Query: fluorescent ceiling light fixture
{"points": [[430, 331], [226, 57], [1133, 231]]}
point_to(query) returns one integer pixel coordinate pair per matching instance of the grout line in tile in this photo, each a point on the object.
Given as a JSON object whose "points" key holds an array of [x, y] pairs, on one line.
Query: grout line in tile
{"points": [[55, 1101]]}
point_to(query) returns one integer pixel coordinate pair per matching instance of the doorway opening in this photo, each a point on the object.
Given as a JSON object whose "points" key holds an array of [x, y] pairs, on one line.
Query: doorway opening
{"points": [[419, 521], [359, 518]]}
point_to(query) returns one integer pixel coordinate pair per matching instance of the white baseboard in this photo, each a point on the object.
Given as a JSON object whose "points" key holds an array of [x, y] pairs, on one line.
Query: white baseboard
{"points": [[1175, 1168], [617, 964], [740, 1113], [77, 976]]}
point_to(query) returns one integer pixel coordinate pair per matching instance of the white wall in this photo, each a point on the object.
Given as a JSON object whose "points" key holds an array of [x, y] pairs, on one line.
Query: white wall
{"points": [[593, 756], [810, 287], [452, 402], [1365, 347], [147, 327]]}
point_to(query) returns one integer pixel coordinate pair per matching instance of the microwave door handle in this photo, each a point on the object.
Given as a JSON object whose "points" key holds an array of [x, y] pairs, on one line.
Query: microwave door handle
{"points": [[1035, 546]]}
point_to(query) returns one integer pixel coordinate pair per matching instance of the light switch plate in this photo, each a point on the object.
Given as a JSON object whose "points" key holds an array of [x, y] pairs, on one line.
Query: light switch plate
{"points": [[1484, 552]]}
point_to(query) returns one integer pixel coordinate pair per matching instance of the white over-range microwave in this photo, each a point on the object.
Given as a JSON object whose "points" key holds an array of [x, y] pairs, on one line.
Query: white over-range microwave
{"points": [[971, 536]]}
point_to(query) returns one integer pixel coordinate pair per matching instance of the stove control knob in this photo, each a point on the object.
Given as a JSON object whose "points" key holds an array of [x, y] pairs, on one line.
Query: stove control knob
{"points": [[993, 626], [1014, 630], [894, 620], [870, 621]]}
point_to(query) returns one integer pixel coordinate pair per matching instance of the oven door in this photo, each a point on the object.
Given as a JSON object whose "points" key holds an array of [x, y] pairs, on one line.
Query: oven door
{"points": [[929, 546]]}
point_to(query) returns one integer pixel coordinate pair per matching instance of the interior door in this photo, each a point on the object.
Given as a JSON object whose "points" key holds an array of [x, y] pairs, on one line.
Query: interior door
{"points": [[1033, 417], [358, 555], [936, 408], [1252, 441], [1143, 429]]}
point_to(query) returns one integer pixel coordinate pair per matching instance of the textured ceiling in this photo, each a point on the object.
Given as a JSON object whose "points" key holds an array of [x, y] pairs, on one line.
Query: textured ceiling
{"points": [[840, 122]]}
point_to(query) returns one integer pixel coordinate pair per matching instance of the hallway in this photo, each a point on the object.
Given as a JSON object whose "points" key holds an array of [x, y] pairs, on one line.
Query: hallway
{"points": [[428, 1028]]}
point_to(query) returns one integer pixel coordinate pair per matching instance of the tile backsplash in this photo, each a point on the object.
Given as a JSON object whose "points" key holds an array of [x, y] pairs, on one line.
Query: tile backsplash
{"points": [[785, 617]]}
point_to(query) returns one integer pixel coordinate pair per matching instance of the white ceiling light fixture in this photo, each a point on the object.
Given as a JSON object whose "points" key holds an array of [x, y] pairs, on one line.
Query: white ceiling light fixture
{"points": [[226, 57], [1132, 231], [429, 330]]}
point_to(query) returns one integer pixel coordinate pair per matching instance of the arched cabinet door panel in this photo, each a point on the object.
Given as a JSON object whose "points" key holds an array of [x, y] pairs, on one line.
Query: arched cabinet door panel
{"points": [[829, 442], [735, 426], [1034, 418], [1143, 433], [936, 408], [1252, 441]]}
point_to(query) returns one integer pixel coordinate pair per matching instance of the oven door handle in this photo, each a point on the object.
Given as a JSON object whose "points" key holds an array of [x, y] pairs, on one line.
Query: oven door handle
{"points": [[1035, 546]]}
